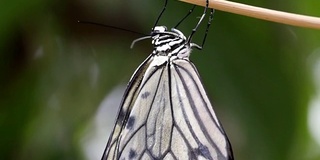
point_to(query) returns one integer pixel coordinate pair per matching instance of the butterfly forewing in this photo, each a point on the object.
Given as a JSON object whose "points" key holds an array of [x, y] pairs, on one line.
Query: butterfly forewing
{"points": [[125, 108], [197, 120], [152, 117]]}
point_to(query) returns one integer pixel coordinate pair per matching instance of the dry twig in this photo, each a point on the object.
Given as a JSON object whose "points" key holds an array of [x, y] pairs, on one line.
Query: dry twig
{"points": [[261, 13]]}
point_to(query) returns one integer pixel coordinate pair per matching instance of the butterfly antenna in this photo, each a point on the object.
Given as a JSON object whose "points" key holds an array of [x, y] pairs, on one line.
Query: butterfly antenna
{"points": [[114, 27]]}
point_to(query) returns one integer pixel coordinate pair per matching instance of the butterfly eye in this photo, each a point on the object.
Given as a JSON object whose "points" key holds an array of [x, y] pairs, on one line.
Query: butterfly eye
{"points": [[160, 29]]}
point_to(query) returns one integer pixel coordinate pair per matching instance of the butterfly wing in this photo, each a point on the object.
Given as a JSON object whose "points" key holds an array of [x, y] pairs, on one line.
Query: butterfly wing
{"points": [[196, 124], [169, 116], [128, 99]]}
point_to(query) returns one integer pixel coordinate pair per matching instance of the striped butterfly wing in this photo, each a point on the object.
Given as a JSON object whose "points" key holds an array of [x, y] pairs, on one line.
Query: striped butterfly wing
{"points": [[196, 125], [166, 113], [128, 99]]}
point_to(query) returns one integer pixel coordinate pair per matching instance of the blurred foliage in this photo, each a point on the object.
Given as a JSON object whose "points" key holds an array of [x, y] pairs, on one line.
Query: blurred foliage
{"points": [[55, 72]]}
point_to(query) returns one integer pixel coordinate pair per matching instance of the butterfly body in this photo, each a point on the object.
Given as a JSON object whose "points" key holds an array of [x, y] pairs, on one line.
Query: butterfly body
{"points": [[165, 113]]}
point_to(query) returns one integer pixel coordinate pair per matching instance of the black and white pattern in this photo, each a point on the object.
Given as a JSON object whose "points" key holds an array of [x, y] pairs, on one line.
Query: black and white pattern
{"points": [[165, 112]]}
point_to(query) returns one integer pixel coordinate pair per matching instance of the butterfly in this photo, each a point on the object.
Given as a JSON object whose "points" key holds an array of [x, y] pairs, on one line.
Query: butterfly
{"points": [[165, 112]]}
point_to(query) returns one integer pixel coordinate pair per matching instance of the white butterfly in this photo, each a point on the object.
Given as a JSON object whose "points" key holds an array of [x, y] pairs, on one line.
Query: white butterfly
{"points": [[165, 112]]}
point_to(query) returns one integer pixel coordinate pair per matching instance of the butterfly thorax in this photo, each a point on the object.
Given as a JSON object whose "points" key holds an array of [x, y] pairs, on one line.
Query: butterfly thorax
{"points": [[170, 43]]}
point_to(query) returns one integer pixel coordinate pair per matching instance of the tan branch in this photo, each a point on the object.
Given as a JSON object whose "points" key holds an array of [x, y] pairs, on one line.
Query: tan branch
{"points": [[261, 13]]}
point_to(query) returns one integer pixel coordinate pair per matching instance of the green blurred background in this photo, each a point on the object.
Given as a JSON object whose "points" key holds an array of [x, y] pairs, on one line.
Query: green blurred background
{"points": [[61, 81]]}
